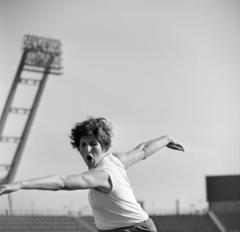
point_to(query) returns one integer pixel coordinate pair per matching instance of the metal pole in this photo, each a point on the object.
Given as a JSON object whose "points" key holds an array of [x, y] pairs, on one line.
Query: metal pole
{"points": [[21, 145], [177, 207], [11, 93], [10, 205]]}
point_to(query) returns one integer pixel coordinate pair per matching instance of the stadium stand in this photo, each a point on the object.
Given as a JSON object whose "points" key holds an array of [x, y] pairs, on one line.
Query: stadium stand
{"points": [[223, 195], [90, 220], [184, 223], [41, 223], [230, 220], [176, 223]]}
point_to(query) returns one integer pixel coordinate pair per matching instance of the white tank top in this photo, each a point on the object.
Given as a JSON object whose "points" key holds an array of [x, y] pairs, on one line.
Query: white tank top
{"points": [[118, 208]]}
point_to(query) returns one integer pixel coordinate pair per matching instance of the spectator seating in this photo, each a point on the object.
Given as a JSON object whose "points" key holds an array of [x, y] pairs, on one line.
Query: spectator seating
{"points": [[90, 220], [178, 223], [181, 223], [40, 224], [230, 220], [184, 223]]}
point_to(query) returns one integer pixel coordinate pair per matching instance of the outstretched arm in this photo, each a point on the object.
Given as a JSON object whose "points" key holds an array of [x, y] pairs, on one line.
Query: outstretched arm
{"points": [[146, 149], [87, 180]]}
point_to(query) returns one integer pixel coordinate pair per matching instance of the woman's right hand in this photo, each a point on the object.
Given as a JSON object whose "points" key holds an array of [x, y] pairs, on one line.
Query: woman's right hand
{"points": [[9, 188]]}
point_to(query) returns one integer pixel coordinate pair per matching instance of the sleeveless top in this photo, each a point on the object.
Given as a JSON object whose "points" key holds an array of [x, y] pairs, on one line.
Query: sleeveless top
{"points": [[118, 208]]}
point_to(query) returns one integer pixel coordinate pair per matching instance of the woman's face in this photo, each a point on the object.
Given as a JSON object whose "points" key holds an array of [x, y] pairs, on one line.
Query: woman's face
{"points": [[91, 150]]}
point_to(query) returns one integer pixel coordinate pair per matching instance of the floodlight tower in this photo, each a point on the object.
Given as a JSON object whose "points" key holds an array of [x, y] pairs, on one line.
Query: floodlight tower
{"points": [[40, 55]]}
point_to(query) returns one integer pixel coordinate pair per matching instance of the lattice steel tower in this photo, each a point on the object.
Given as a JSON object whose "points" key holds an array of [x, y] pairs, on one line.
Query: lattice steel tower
{"points": [[42, 56]]}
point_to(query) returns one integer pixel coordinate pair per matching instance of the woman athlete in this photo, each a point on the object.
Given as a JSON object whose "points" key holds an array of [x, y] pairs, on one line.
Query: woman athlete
{"points": [[111, 197]]}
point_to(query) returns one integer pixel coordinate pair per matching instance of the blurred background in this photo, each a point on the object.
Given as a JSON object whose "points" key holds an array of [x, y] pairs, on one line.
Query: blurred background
{"points": [[151, 68]]}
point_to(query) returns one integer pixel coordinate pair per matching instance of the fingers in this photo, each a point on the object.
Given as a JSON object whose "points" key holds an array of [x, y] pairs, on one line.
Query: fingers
{"points": [[180, 147], [2, 190], [176, 146]]}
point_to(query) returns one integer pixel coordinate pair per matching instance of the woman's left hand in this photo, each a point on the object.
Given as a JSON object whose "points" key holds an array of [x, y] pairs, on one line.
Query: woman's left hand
{"points": [[175, 145]]}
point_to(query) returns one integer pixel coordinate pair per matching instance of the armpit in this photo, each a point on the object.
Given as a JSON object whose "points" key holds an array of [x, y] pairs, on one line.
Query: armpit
{"points": [[109, 188]]}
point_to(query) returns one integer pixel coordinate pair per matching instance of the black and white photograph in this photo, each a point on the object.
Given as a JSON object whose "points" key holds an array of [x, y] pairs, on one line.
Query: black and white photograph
{"points": [[120, 116]]}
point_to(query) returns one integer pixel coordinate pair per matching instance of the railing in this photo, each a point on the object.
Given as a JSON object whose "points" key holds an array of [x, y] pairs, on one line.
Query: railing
{"points": [[87, 212], [67, 213]]}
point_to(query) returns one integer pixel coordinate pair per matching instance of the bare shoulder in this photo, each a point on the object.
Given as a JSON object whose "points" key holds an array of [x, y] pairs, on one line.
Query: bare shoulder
{"points": [[95, 174], [131, 157], [122, 157], [100, 180]]}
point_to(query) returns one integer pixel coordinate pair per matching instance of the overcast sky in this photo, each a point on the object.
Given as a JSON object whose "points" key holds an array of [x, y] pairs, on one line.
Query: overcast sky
{"points": [[151, 68]]}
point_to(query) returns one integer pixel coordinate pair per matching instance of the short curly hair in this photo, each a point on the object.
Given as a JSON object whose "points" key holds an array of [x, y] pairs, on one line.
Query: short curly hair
{"points": [[99, 127]]}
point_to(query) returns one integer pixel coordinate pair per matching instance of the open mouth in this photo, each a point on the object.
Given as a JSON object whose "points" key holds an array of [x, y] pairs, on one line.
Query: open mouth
{"points": [[89, 157]]}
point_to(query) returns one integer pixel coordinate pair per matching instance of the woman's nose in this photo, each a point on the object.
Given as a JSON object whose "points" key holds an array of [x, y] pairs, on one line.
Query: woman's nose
{"points": [[89, 148]]}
